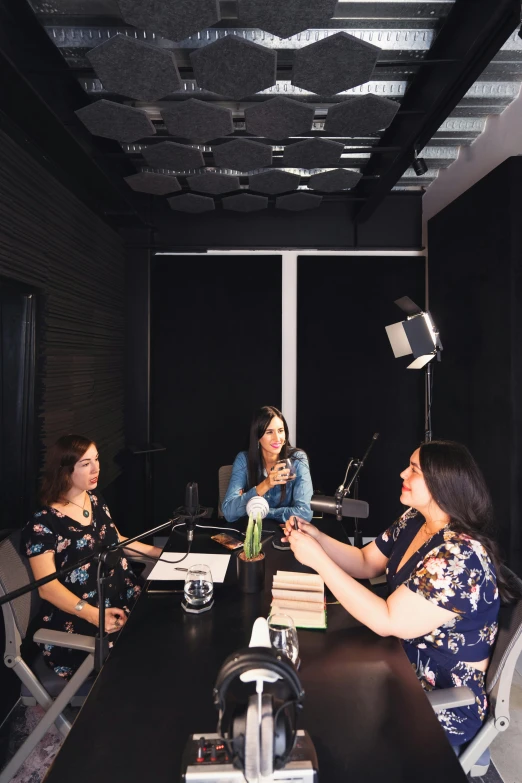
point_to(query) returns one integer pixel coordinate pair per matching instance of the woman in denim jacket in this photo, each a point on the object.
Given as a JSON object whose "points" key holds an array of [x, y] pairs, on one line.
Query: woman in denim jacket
{"points": [[262, 471]]}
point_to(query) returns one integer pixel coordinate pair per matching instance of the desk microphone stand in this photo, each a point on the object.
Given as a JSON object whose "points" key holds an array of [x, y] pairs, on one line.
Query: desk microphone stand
{"points": [[343, 491]]}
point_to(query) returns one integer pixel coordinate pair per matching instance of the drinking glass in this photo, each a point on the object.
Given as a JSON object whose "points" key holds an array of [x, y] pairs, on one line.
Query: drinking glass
{"points": [[199, 588], [283, 636]]}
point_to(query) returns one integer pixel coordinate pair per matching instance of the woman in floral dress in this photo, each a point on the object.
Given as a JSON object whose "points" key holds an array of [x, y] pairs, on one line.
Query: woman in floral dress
{"points": [[73, 521], [444, 574]]}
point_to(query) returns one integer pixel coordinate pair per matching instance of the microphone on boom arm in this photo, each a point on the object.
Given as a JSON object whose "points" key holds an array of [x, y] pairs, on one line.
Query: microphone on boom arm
{"points": [[191, 510], [343, 506]]}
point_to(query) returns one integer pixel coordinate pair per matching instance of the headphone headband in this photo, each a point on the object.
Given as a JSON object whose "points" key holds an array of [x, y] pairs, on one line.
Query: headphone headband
{"points": [[256, 658]]}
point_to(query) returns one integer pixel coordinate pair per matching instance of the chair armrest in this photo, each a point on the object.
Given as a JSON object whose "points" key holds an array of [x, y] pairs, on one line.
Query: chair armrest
{"points": [[451, 698], [74, 641]]}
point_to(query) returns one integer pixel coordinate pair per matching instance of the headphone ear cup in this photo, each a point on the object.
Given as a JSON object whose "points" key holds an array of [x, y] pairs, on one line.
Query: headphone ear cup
{"points": [[267, 736], [238, 736], [252, 749], [283, 738]]}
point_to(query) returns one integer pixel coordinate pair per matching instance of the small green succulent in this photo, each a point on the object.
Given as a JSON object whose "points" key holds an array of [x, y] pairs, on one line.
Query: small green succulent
{"points": [[252, 545]]}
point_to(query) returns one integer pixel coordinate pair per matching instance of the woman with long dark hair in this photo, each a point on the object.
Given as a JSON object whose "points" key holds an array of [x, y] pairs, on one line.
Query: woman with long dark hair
{"points": [[443, 571], [72, 521], [262, 470]]}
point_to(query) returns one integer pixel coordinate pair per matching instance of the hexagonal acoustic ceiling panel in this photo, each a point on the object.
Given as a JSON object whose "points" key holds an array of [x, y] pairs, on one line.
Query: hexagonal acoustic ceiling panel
{"points": [[245, 202], [295, 202], [116, 121], [135, 69], [334, 64], [154, 183], [279, 118], [313, 154], [285, 18], [175, 20], [234, 67], [190, 202], [242, 155], [332, 181], [360, 114], [197, 121], [169, 155], [273, 182], [213, 183]]}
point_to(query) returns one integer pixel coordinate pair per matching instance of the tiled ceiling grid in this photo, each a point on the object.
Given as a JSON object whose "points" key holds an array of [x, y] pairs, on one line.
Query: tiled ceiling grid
{"points": [[403, 30]]}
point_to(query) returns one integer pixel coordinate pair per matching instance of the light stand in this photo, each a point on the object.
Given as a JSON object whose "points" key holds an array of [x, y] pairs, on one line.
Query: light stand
{"points": [[419, 336]]}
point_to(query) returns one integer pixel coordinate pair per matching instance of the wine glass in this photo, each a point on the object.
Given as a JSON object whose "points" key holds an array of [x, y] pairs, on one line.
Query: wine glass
{"points": [[199, 589], [283, 636]]}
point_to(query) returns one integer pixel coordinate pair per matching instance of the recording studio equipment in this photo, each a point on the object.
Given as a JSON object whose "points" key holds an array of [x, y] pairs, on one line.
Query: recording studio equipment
{"points": [[347, 506], [257, 505], [257, 739], [191, 510]]}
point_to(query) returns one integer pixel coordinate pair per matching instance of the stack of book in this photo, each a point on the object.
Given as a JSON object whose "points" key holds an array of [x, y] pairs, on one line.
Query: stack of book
{"points": [[301, 596]]}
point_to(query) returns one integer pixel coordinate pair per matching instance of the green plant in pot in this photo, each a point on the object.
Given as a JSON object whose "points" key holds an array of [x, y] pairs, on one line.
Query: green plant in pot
{"points": [[251, 561]]}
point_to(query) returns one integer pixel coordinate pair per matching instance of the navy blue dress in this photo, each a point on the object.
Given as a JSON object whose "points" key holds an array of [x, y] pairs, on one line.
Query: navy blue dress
{"points": [[51, 531], [455, 572]]}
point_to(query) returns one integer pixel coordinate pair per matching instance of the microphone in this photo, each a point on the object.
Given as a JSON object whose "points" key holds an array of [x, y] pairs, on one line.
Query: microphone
{"points": [[345, 507], [191, 507]]}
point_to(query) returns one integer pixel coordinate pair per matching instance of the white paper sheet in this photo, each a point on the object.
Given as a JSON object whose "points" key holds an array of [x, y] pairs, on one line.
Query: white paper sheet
{"points": [[165, 572]]}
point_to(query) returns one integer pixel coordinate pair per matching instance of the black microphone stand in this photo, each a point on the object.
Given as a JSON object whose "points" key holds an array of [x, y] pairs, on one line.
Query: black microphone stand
{"points": [[107, 557], [354, 482]]}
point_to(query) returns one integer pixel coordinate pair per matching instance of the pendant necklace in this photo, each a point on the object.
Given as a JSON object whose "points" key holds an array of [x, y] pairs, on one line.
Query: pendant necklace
{"points": [[85, 513]]}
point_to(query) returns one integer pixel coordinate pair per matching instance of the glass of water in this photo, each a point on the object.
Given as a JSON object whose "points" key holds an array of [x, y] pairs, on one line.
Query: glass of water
{"points": [[283, 636], [199, 589]]}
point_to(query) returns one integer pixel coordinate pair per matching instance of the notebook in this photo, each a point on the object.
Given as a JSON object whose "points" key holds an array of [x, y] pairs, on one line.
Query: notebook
{"points": [[301, 596]]}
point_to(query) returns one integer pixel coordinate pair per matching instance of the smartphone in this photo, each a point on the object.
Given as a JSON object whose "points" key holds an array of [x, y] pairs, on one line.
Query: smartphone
{"points": [[229, 541]]}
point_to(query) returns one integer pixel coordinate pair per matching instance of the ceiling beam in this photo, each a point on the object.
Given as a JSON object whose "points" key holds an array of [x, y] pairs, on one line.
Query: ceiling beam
{"points": [[38, 111], [473, 33]]}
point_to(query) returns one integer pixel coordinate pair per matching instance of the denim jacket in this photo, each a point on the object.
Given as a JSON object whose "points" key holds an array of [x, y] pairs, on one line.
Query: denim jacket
{"points": [[298, 492]]}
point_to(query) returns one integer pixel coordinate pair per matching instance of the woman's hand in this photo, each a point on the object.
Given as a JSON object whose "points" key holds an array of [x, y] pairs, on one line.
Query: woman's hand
{"points": [[279, 474], [303, 525], [115, 618], [305, 548]]}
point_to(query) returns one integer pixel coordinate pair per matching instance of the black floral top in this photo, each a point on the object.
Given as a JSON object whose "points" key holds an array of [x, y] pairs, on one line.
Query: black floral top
{"points": [[455, 572], [51, 531]]}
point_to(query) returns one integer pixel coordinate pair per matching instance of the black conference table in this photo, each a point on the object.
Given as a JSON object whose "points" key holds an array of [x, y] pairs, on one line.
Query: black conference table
{"points": [[364, 708]]}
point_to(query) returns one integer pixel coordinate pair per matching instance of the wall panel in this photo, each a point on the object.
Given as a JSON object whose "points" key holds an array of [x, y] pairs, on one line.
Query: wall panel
{"points": [[349, 385]]}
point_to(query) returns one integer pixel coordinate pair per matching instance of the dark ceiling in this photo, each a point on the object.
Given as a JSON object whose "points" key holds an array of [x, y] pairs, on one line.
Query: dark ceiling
{"points": [[230, 116]]}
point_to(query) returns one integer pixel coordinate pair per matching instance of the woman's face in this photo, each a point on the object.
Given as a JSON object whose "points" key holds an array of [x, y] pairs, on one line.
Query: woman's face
{"points": [[415, 493], [272, 441], [86, 470]]}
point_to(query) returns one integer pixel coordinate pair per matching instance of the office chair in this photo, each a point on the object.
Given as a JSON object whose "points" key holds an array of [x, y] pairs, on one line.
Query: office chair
{"points": [[475, 758], [224, 474], [40, 684]]}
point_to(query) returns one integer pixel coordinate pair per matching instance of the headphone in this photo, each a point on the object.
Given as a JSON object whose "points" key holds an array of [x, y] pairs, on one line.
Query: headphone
{"points": [[278, 721]]}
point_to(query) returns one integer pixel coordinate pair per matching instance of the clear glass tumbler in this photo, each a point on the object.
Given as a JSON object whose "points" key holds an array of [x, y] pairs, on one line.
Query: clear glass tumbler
{"points": [[283, 636], [199, 588]]}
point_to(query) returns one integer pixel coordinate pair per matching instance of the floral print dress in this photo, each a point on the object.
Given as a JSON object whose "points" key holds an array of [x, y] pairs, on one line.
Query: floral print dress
{"points": [[455, 572], [51, 531]]}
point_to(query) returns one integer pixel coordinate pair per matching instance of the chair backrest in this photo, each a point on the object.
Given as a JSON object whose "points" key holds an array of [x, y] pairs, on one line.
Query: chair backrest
{"points": [[508, 648], [15, 572], [224, 474]]}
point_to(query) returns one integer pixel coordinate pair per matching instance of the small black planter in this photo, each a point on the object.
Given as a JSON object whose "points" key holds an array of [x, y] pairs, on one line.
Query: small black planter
{"points": [[251, 574]]}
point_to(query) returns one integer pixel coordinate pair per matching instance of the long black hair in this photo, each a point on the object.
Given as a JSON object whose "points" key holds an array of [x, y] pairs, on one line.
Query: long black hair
{"points": [[260, 421], [457, 486]]}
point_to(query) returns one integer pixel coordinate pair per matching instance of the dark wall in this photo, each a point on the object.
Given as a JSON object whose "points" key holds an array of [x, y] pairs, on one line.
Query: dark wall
{"points": [[397, 223], [349, 384], [216, 356], [475, 247], [75, 263]]}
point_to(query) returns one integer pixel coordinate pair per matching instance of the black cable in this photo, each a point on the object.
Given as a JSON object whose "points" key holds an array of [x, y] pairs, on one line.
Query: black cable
{"points": [[157, 559]]}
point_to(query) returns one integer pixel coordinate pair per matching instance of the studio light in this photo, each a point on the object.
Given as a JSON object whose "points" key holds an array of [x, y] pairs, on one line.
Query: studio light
{"points": [[417, 335], [419, 166]]}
